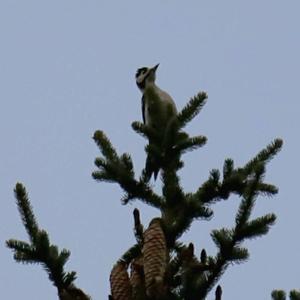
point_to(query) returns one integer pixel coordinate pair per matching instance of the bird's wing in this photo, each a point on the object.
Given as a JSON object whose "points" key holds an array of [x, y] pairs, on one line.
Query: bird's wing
{"points": [[143, 109]]}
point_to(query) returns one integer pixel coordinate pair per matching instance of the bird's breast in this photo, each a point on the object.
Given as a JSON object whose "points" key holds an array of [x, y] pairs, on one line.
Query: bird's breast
{"points": [[159, 107]]}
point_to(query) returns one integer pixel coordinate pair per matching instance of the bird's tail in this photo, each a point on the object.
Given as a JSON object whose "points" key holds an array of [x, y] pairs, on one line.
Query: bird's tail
{"points": [[151, 168]]}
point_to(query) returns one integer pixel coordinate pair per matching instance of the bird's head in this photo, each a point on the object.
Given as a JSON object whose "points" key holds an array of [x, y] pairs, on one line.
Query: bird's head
{"points": [[145, 76]]}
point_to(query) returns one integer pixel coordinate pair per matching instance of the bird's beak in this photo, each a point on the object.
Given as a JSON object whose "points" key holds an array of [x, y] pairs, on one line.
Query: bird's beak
{"points": [[155, 67]]}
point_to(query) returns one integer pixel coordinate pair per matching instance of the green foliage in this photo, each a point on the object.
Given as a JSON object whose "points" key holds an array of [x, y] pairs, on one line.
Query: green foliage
{"points": [[131, 253], [39, 250], [191, 109], [265, 155], [145, 131], [119, 169], [278, 295], [281, 295], [186, 276], [190, 144], [295, 295]]}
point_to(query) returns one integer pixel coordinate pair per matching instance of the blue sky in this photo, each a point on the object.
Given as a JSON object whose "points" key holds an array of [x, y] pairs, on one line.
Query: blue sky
{"points": [[67, 69]]}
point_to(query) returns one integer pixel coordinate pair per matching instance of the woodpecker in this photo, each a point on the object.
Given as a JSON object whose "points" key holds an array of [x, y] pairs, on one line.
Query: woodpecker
{"points": [[154, 96], [158, 108]]}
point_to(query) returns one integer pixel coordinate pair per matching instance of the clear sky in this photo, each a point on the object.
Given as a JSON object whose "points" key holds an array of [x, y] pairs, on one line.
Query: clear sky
{"points": [[67, 69]]}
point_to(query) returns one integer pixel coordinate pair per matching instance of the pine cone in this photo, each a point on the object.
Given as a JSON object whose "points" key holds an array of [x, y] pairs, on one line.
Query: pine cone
{"points": [[155, 258], [119, 282], [137, 279]]}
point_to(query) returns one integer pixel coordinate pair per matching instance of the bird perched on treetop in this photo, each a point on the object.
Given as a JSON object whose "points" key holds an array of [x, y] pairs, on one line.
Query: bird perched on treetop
{"points": [[158, 108]]}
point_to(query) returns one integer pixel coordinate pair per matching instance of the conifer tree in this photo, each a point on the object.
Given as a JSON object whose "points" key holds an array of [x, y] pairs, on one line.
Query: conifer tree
{"points": [[159, 266], [169, 269]]}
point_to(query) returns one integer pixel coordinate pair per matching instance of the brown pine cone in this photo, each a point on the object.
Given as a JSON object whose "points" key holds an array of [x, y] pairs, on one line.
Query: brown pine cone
{"points": [[119, 282], [155, 259]]}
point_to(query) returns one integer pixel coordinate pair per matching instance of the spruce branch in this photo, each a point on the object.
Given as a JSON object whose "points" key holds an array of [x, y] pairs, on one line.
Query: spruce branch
{"points": [[264, 156], [294, 295], [105, 146], [131, 253], [197, 210], [128, 164], [229, 253], [145, 131], [190, 144], [120, 169], [228, 240], [246, 229], [278, 295], [142, 191], [210, 189], [238, 180], [26, 212], [257, 227], [219, 266], [191, 109], [40, 250], [224, 240], [172, 190], [281, 295], [178, 214], [267, 189], [173, 277], [248, 200], [228, 168], [238, 255], [23, 252]]}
